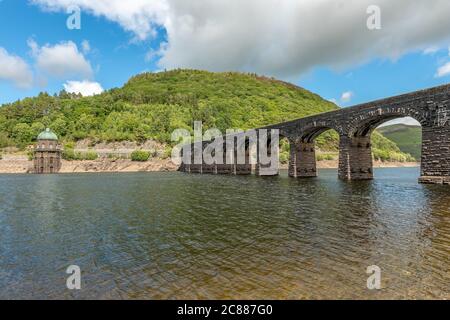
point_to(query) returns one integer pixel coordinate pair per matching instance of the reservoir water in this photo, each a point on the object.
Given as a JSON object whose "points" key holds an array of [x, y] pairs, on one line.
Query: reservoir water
{"points": [[179, 236]]}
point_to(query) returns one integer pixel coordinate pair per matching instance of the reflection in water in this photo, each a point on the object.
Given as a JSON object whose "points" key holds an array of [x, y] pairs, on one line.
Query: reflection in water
{"points": [[170, 235]]}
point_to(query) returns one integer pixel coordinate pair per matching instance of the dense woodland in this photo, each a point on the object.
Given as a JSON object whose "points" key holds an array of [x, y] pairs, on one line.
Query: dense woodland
{"points": [[152, 105]]}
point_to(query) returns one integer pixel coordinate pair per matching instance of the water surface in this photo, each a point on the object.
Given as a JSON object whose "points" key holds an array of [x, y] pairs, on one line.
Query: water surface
{"points": [[173, 236]]}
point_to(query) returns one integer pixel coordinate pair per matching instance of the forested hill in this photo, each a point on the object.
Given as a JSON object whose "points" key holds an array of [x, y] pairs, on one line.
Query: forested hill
{"points": [[408, 138], [152, 105]]}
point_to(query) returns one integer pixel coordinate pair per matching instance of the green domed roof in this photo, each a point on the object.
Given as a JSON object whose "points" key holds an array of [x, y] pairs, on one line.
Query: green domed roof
{"points": [[47, 135]]}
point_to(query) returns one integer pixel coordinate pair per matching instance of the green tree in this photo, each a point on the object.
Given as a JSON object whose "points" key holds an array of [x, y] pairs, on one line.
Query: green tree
{"points": [[36, 128], [22, 133], [140, 155], [4, 140], [59, 126]]}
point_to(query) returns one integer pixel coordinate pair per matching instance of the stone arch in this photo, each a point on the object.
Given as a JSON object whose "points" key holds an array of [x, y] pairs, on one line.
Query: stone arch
{"points": [[303, 162], [287, 134], [431, 107], [364, 123], [358, 144], [311, 131], [284, 134]]}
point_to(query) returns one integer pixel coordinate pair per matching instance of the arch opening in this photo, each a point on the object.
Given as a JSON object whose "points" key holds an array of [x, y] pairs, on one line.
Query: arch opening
{"points": [[316, 148], [392, 141], [368, 126], [405, 133]]}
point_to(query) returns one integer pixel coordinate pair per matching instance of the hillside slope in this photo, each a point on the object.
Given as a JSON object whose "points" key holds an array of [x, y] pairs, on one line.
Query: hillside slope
{"points": [[151, 105], [408, 138]]}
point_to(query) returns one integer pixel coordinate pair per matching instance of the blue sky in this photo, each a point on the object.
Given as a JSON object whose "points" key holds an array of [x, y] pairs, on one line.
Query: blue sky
{"points": [[113, 58], [343, 63]]}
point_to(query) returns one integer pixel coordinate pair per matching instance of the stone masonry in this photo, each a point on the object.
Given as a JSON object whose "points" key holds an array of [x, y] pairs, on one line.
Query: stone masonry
{"points": [[430, 107]]}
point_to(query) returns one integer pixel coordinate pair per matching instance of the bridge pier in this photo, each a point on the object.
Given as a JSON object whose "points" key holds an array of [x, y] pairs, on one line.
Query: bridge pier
{"points": [[270, 168], [240, 168], [195, 168], [196, 165], [263, 170], [227, 165], [243, 169], [435, 166], [305, 160], [208, 168], [293, 159], [184, 166], [355, 158], [225, 169]]}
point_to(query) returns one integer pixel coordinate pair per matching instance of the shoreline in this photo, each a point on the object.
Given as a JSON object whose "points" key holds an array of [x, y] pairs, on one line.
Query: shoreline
{"points": [[24, 166], [333, 164], [21, 165]]}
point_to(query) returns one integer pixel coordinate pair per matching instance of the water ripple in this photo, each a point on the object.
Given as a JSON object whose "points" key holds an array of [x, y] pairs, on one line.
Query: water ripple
{"points": [[173, 236]]}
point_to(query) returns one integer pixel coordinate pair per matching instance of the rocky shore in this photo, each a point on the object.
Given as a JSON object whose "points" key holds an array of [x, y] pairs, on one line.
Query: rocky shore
{"points": [[333, 164], [14, 164], [20, 164]]}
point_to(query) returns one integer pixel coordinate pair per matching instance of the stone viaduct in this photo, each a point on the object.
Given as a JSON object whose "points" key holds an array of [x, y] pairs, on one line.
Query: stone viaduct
{"points": [[430, 107]]}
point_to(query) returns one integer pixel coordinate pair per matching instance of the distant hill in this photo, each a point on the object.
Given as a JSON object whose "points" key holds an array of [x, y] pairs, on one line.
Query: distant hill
{"points": [[151, 105], [408, 138]]}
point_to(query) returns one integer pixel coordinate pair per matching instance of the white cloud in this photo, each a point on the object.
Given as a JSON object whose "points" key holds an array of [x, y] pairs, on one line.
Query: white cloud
{"points": [[431, 50], [280, 38], [443, 70], [15, 69], [347, 96], [85, 46], [333, 100], [86, 88], [62, 60], [138, 16], [408, 121]]}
